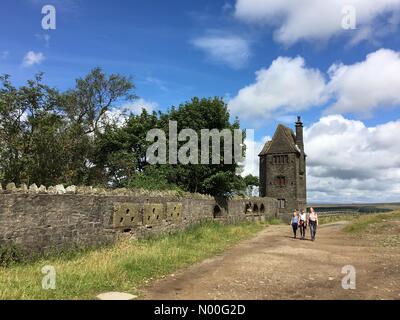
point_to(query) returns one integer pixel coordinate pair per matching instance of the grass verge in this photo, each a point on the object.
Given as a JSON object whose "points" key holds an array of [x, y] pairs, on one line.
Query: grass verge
{"points": [[334, 218], [123, 267], [363, 222], [359, 222]]}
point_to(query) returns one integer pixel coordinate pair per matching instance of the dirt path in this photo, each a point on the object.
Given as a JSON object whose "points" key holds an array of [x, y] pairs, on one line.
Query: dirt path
{"points": [[274, 266]]}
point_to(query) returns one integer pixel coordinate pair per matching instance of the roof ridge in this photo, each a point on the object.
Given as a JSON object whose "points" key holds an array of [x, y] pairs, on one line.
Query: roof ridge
{"points": [[289, 136]]}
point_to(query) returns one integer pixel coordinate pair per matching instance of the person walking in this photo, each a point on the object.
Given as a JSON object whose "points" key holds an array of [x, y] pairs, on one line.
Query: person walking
{"points": [[313, 223], [303, 224], [295, 223]]}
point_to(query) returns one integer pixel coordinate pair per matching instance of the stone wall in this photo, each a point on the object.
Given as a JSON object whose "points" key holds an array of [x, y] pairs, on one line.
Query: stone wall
{"points": [[39, 221]]}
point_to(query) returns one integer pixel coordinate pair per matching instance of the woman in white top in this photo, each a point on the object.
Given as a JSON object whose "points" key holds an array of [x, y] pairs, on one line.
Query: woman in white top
{"points": [[303, 224]]}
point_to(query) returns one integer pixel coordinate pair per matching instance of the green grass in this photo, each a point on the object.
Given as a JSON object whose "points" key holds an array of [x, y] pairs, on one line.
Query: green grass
{"points": [[334, 218], [363, 222], [274, 221], [124, 266]]}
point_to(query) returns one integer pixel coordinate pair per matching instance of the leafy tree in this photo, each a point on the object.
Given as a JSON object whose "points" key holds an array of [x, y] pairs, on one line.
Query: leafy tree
{"points": [[29, 126], [94, 95], [152, 178], [86, 107], [198, 114], [48, 137], [121, 151], [251, 180]]}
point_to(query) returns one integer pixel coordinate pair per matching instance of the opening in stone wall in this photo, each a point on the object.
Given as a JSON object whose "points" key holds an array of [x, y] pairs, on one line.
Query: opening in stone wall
{"points": [[217, 212]]}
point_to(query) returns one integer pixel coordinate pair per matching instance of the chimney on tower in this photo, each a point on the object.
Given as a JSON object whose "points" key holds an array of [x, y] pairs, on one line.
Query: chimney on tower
{"points": [[299, 134]]}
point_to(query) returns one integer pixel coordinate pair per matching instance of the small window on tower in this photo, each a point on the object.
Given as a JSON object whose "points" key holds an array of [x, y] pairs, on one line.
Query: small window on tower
{"points": [[280, 181], [281, 203]]}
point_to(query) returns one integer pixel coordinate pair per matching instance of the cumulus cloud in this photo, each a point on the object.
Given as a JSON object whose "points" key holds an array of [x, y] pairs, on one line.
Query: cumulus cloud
{"points": [[286, 86], [139, 104], [31, 58], [228, 49], [350, 162], [366, 86], [316, 19], [121, 113], [347, 161], [251, 162], [289, 86]]}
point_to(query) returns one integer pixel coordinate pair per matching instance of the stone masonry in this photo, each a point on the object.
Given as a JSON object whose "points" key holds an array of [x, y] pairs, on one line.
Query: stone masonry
{"points": [[39, 219], [283, 169]]}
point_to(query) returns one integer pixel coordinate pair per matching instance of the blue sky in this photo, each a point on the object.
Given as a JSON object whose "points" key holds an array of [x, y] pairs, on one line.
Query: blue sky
{"points": [[179, 49]]}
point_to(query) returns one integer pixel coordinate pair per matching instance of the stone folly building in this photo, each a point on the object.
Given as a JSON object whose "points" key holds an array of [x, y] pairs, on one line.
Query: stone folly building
{"points": [[283, 168]]}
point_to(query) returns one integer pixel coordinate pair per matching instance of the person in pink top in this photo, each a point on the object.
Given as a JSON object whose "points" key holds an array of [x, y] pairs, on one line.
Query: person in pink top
{"points": [[313, 223]]}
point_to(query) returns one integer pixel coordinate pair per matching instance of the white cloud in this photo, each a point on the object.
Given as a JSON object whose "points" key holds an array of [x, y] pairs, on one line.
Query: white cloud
{"points": [[251, 164], [350, 162], [346, 161], [366, 86], [121, 113], [316, 19], [139, 104], [286, 86], [228, 49], [31, 58]]}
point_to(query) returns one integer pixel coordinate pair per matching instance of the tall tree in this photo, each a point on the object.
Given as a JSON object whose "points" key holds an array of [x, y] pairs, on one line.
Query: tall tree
{"points": [[85, 107], [198, 114], [47, 137], [29, 126]]}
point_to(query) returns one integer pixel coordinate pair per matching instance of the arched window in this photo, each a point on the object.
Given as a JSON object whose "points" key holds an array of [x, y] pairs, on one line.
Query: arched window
{"points": [[248, 208]]}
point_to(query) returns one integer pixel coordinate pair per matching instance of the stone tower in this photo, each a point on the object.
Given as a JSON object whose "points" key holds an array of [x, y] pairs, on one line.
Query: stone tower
{"points": [[283, 168]]}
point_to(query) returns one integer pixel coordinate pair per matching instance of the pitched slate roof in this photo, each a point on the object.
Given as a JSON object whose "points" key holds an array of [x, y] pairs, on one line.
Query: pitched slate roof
{"points": [[265, 148], [284, 141]]}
